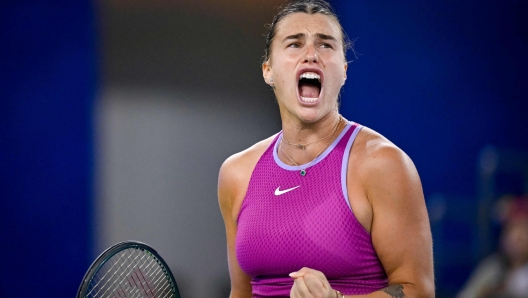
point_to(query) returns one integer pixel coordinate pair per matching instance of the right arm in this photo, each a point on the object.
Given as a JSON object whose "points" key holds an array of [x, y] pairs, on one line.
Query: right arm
{"points": [[228, 182], [233, 182]]}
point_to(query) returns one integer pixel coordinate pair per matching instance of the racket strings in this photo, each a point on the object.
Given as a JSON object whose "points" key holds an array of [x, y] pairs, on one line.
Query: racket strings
{"points": [[110, 281], [114, 278], [97, 280], [131, 273], [138, 286]]}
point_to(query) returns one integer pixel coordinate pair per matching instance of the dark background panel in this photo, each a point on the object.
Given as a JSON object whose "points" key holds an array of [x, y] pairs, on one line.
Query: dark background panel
{"points": [[48, 67]]}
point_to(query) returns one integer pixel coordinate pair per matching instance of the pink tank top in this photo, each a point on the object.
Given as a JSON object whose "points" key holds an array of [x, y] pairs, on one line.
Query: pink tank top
{"points": [[288, 221]]}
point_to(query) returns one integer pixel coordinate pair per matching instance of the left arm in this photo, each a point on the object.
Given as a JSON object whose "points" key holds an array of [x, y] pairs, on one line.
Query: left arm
{"points": [[399, 228], [401, 233]]}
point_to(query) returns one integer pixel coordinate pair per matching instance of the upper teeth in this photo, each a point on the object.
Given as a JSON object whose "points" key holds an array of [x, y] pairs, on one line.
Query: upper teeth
{"points": [[308, 99], [310, 75]]}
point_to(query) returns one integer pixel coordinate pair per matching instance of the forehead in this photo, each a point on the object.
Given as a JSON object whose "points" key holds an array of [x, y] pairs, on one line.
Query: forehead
{"points": [[308, 24]]}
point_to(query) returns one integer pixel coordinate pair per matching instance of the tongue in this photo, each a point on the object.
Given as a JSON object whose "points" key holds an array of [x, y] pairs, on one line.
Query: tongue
{"points": [[309, 90]]}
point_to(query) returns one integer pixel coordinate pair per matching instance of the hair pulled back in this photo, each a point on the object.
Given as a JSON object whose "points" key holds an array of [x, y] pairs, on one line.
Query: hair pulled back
{"points": [[304, 6]]}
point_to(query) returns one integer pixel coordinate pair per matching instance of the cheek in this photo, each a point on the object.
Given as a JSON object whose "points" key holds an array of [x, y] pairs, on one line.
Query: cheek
{"points": [[337, 81]]}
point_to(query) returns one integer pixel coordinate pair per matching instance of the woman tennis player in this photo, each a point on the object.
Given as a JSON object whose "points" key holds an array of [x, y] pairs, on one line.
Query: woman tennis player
{"points": [[326, 207]]}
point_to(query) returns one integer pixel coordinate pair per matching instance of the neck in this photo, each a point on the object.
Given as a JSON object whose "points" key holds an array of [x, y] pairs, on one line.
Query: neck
{"points": [[318, 135], [297, 131]]}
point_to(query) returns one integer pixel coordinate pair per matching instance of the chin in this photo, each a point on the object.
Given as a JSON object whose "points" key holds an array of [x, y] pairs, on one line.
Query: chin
{"points": [[310, 116]]}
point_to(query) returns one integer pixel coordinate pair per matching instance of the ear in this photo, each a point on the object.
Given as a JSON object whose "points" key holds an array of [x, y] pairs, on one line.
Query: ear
{"points": [[267, 73], [345, 72]]}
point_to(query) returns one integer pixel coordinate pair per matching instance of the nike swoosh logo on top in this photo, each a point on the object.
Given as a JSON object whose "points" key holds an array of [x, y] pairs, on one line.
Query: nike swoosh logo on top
{"points": [[279, 192]]}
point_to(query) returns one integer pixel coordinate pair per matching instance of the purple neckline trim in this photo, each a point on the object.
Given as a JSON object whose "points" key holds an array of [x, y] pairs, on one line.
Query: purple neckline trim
{"points": [[344, 166], [317, 160]]}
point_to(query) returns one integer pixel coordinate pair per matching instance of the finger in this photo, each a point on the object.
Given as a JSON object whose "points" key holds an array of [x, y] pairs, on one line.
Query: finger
{"points": [[306, 270], [314, 284], [298, 273], [299, 288], [302, 272], [319, 275]]}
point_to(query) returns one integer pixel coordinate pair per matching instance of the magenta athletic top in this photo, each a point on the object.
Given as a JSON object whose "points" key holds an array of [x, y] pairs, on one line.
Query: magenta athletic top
{"points": [[288, 221]]}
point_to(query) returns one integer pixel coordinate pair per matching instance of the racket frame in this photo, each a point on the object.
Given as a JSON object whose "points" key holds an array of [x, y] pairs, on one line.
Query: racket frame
{"points": [[113, 250]]}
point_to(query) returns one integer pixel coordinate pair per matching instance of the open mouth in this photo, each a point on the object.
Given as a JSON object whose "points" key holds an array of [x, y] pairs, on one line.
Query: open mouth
{"points": [[309, 87]]}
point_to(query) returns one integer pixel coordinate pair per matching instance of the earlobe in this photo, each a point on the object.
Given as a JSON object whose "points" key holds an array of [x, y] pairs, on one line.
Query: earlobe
{"points": [[269, 81], [267, 73]]}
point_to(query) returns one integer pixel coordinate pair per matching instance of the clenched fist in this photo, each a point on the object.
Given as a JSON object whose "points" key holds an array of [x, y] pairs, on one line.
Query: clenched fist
{"points": [[310, 283]]}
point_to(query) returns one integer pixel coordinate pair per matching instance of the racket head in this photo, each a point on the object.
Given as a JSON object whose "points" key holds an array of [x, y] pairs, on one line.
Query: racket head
{"points": [[129, 269]]}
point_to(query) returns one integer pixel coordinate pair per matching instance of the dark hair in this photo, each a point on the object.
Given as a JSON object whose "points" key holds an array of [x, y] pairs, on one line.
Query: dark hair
{"points": [[305, 6]]}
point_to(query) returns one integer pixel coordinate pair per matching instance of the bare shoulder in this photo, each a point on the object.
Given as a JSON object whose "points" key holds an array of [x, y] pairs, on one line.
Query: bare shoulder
{"points": [[400, 229], [379, 174], [239, 165], [375, 155], [235, 174], [233, 181], [386, 173]]}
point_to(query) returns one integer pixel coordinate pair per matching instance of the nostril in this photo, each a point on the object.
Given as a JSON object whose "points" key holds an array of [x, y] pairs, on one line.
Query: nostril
{"points": [[311, 58]]}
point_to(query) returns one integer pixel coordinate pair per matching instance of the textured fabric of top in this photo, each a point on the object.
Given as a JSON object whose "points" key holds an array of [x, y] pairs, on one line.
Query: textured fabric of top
{"points": [[309, 226]]}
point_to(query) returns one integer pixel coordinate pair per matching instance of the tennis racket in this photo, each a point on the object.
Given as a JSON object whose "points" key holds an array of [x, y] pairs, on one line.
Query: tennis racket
{"points": [[129, 269]]}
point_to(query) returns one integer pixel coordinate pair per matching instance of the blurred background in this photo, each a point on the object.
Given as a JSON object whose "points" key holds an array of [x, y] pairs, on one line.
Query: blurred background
{"points": [[115, 116]]}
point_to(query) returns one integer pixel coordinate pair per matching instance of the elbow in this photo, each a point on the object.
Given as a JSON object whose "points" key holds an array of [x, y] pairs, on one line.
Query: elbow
{"points": [[428, 290], [424, 289]]}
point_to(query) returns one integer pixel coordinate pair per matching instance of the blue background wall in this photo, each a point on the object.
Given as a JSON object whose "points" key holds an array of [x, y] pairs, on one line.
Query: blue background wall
{"points": [[442, 79], [47, 82]]}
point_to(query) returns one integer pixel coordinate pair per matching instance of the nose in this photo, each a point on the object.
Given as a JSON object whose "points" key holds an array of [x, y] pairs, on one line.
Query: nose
{"points": [[311, 55]]}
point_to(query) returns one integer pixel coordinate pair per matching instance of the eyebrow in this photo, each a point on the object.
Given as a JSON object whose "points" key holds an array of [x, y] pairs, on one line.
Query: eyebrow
{"points": [[318, 35], [325, 37], [294, 36]]}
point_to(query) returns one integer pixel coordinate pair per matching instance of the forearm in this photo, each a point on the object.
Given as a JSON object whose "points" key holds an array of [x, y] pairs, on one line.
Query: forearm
{"points": [[397, 291]]}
